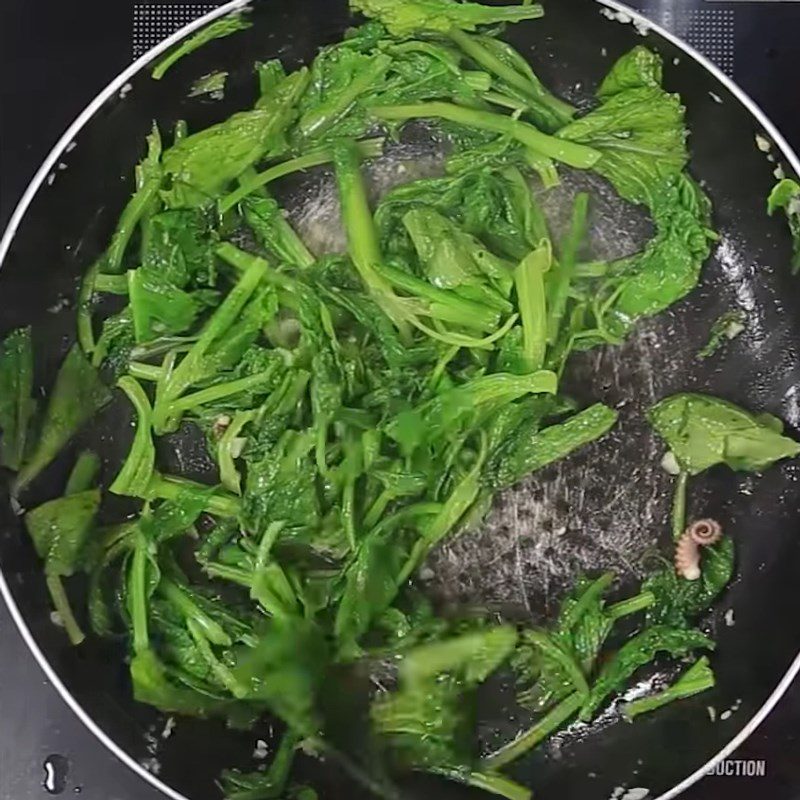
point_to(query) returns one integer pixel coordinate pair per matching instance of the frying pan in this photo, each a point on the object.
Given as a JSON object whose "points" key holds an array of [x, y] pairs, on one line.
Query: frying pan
{"points": [[604, 508]]}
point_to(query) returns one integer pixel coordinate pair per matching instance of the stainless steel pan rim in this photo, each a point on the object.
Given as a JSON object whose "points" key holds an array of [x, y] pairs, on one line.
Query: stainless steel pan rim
{"points": [[49, 165]]}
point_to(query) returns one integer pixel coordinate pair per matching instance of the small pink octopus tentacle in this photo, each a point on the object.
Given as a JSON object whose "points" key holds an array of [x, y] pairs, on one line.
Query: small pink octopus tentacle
{"points": [[699, 534]]}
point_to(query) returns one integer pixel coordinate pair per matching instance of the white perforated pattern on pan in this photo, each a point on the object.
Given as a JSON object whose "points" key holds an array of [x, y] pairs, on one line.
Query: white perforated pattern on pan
{"points": [[154, 23], [709, 30]]}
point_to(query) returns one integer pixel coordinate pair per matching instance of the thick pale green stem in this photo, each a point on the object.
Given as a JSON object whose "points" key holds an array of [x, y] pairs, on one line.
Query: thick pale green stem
{"points": [[216, 393], [566, 267], [576, 155], [362, 234], [136, 472], [679, 506], [84, 473], [370, 148], [630, 606], [532, 303], [144, 372], [484, 57], [442, 303], [64, 610], [219, 504]]}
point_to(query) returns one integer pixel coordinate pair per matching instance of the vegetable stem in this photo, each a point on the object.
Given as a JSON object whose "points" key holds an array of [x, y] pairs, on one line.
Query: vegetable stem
{"points": [[370, 148], [536, 734], [145, 372], [211, 629], [483, 56], [64, 609], [457, 505], [236, 575], [698, 678], [223, 390], [491, 782], [679, 505], [215, 328], [630, 606], [566, 266], [443, 304], [111, 284], [134, 477], [267, 542], [149, 178], [137, 595], [228, 474], [170, 488], [86, 337], [573, 154], [529, 280], [84, 473], [323, 116], [362, 235]]}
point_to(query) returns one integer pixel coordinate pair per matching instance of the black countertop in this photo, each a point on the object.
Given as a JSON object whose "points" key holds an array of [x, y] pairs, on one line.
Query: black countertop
{"points": [[55, 56]]}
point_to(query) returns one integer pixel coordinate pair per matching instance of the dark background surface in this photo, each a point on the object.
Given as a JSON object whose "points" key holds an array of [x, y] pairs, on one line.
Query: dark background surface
{"points": [[55, 56]]}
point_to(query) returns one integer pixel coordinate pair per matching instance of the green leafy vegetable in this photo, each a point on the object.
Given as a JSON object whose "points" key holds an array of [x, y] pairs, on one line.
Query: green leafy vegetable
{"points": [[551, 666], [135, 476], [526, 452], [636, 653], [330, 415], [678, 601], [636, 69], [698, 678], [408, 17], [218, 29], [427, 721], [212, 84], [472, 657], [60, 530], [669, 266], [203, 164], [638, 128], [78, 394], [285, 670], [571, 152], [265, 218], [786, 195], [702, 431], [728, 326], [371, 584], [16, 405]]}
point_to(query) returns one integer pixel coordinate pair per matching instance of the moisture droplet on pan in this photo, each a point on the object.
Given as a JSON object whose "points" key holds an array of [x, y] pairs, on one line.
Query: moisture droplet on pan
{"points": [[56, 769]]}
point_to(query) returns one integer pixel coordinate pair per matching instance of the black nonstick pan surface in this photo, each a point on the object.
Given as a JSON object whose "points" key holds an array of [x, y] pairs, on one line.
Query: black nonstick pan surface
{"points": [[605, 508]]}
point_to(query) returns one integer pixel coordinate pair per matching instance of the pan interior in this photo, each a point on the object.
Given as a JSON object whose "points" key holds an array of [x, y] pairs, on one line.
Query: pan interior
{"points": [[604, 508]]}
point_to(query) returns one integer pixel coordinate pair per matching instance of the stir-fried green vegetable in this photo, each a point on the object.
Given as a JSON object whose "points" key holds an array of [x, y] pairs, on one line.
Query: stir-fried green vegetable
{"points": [[16, 404], [362, 407], [704, 431], [786, 195], [226, 26]]}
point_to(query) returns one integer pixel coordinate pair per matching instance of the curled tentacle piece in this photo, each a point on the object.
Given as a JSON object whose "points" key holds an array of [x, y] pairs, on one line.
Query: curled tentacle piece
{"points": [[699, 534], [705, 532]]}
